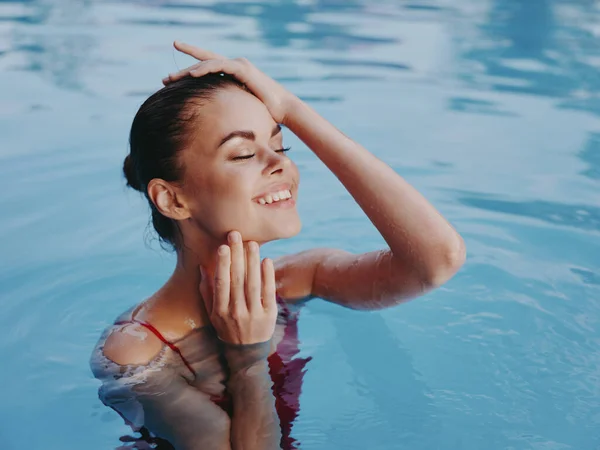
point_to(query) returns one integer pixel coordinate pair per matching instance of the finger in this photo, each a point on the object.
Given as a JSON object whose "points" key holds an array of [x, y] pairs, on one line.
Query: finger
{"points": [[179, 75], [269, 301], [205, 293], [238, 269], [253, 277], [222, 282], [196, 52], [228, 66]]}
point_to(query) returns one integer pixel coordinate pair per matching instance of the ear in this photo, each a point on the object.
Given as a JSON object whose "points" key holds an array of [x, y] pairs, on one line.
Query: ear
{"points": [[167, 199]]}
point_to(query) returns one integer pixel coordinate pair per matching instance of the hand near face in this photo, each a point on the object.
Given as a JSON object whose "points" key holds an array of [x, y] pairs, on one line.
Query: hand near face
{"points": [[243, 306], [275, 97]]}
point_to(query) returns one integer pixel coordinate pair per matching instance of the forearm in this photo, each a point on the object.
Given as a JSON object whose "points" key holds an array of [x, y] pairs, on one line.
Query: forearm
{"points": [[418, 236], [255, 424]]}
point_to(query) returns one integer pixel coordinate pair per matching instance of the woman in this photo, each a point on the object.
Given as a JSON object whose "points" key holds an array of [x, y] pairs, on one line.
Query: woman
{"points": [[191, 364]]}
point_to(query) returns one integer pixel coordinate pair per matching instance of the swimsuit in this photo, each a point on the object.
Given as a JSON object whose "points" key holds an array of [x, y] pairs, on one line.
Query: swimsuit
{"points": [[179, 371]]}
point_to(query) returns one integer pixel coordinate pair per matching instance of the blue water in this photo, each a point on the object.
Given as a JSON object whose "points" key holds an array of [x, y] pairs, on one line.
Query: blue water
{"points": [[491, 108]]}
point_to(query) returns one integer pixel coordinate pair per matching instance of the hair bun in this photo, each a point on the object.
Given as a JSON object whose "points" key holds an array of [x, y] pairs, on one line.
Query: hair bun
{"points": [[130, 174]]}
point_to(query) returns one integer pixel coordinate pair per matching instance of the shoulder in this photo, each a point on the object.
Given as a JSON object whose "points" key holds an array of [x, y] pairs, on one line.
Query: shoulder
{"points": [[131, 343]]}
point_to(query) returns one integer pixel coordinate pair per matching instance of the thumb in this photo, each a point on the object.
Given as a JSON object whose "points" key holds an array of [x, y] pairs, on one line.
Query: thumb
{"points": [[205, 291]]}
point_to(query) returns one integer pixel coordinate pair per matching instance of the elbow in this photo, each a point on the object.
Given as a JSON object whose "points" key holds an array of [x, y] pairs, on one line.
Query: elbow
{"points": [[447, 263]]}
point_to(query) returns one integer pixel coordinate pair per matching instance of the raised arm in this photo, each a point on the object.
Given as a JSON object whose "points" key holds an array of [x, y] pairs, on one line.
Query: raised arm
{"points": [[424, 250], [421, 241]]}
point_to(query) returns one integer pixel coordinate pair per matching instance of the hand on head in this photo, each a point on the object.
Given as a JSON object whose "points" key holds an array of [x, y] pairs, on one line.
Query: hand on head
{"points": [[275, 97]]}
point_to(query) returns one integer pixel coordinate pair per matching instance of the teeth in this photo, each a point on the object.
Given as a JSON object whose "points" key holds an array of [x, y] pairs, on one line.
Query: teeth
{"points": [[275, 197]]}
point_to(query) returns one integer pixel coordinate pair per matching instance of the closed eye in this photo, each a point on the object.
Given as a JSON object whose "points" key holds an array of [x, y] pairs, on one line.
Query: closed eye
{"points": [[238, 158], [241, 158]]}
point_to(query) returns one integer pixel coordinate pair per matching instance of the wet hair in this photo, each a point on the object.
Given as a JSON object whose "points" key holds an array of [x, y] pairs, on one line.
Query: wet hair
{"points": [[160, 130]]}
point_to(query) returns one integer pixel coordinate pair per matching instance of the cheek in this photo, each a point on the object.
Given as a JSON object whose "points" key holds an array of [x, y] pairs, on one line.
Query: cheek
{"points": [[228, 189], [293, 168], [237, 185]]}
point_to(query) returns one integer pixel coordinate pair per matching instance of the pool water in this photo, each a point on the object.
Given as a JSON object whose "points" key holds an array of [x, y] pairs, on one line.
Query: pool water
{"points": [[491, 108]]}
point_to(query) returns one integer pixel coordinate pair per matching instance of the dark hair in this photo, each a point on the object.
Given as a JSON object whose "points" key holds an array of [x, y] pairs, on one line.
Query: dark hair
{"points": [[160, 130]]}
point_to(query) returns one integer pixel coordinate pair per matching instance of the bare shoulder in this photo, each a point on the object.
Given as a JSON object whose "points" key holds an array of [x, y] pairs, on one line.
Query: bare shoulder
{"points": [[131, 344]]}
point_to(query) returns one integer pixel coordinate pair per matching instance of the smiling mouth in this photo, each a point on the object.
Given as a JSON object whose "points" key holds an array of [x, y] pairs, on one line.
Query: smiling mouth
{"points": [[275, 197]]}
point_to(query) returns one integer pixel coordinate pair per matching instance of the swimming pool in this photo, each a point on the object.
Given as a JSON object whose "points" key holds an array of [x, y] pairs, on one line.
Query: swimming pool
{"points": [[490, 108]]}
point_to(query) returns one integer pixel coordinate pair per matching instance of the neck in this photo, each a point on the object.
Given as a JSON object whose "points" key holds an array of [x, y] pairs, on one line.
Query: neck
{"points": [[180, 295], [191, 257]]}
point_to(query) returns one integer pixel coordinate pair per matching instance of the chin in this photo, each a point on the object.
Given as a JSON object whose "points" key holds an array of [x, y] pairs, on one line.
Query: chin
{"points": [[291, 229], [279, 230]]}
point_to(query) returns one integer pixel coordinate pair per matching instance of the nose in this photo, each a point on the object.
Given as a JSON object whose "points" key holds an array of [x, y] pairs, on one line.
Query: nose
{"points": [[276, 162]]}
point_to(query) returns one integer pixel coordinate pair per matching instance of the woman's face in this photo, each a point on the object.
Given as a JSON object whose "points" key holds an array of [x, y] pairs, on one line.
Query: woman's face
{"points": [[234, 169]]}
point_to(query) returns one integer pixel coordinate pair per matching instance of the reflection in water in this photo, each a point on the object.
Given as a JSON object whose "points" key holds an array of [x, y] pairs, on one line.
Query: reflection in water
{"points": [[591, 156], [62, 57], [143, 442], [535, 332], [198, 392], [59, 56], [583, 217], [404, 411], [282, 22], [536, 365], [170, 23], [587, 276], [477, 106], [545, 48], [361, 63]]}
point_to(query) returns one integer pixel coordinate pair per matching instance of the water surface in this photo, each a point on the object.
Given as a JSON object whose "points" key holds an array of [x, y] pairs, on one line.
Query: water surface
{"points": [[490, 108]]}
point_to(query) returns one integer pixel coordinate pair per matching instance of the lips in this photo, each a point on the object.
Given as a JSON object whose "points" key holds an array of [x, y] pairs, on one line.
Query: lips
{"points": [[275, 197], [275, 193]]}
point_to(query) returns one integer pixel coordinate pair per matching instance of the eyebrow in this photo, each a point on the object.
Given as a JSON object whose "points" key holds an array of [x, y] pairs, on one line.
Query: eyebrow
{"points": [[247, 135]]}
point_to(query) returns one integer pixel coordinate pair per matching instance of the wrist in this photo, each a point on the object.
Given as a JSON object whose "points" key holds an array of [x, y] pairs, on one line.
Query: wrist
{"points": [[291, 104], [244, 356]]}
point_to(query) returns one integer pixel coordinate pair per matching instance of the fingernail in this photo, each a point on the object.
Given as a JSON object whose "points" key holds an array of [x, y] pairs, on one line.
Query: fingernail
{"points": [[223, 250], [234, 237]]}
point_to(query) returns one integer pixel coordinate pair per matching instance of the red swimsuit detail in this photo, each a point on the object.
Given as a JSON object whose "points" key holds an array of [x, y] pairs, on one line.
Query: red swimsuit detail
{"points": [[285, 370]]}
